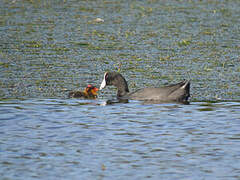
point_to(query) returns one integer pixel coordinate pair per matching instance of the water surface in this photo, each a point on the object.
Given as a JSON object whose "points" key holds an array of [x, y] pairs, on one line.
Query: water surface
{"points": [[72, 139]]}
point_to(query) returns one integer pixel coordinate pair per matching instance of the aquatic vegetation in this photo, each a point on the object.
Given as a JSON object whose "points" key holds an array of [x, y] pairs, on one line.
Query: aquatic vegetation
{"points": [[152, 40], [5, 65], [184, 42]]}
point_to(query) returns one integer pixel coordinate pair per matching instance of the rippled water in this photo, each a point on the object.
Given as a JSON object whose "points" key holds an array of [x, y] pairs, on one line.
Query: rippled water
{"points": [[81, 139]]}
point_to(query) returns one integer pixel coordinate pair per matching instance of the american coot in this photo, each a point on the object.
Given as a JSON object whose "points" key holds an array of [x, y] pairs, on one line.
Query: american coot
{"points": [[90, 92], [179, 92]]}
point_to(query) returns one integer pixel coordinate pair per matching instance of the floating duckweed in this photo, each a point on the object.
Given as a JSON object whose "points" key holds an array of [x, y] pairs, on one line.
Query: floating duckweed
{"points": [[206, 109], [139, 70], [184, 42], [118, 67], [207, 32], [86, 9], [80, 43], [5, 65], [166, 58], [33, 44], [154, 77], [136, 58], [60, 49]]}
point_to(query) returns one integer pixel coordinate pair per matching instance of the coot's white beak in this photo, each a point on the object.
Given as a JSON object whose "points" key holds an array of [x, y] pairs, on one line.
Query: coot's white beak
{"points": [[103, 84]]}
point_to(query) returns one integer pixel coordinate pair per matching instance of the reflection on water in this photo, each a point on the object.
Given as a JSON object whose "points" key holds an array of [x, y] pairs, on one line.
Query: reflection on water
{"points": [[72, 139]]}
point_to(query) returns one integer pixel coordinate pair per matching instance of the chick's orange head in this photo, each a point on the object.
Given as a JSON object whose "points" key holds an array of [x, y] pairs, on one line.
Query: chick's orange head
{"points": [[90, 89]]}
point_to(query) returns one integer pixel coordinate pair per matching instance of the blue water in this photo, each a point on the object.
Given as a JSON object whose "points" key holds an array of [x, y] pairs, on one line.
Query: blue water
{"points": [[91, 139]]}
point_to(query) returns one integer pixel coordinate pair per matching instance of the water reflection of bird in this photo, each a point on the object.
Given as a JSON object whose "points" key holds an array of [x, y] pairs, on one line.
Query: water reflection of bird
{"points": [[90, 92], [179, 92]]}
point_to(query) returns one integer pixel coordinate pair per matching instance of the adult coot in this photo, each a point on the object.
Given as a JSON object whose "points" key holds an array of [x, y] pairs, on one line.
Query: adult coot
{"points": [[179, 92]]}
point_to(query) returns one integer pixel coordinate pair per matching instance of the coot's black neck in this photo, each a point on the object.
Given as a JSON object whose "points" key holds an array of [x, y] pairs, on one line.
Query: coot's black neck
{"points": [[121, 85]]}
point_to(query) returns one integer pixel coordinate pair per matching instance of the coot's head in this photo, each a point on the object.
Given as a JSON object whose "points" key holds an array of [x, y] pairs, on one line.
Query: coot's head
{"points": [[117, 80], [112, 79], [107, 80]]}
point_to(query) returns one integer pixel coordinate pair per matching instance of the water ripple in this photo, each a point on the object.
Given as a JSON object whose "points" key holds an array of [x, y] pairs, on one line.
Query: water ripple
{"points": [[46, 137]]}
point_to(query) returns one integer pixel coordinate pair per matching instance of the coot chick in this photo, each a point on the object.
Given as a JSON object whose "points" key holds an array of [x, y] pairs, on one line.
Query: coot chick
{"points": [[90, 92]]}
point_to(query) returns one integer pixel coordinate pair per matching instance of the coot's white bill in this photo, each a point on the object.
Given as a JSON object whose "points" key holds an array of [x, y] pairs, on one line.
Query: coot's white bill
{"points": [[103, 84]]}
